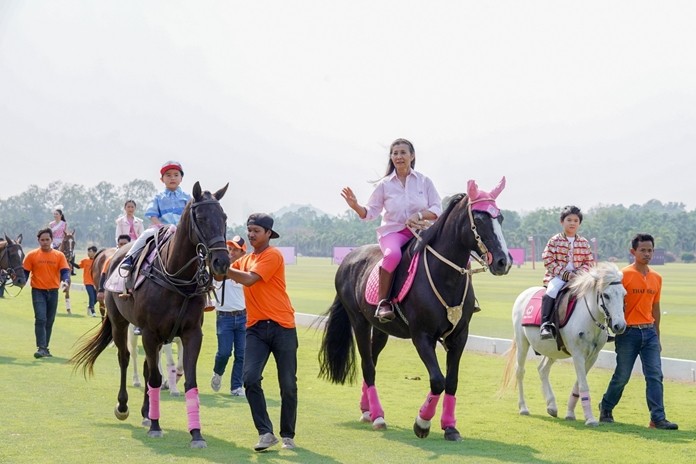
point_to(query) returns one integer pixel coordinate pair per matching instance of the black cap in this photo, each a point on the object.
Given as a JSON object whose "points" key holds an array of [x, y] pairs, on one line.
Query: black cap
{"points": [[263, 220]]}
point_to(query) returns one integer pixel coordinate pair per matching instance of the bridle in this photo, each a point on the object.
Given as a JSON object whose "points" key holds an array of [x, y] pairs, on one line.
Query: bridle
{"points": [[601, 304], [202, 277], [454, 313]]}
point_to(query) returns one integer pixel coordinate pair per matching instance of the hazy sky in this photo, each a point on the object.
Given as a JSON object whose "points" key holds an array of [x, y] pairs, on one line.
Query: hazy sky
{"points": [[575, 102]]}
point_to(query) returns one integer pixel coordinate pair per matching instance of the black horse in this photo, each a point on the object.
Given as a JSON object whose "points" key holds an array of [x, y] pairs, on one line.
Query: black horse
{"points": [[471, 222], [167, 304], [11, 259]]}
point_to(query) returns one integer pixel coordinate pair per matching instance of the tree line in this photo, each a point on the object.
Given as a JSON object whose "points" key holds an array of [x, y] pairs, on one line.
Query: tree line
{"points": [[92, 212]]}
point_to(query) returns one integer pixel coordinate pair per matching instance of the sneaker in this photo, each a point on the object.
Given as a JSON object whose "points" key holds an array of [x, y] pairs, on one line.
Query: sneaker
{"points": [[215, 382], [605, 416], [94, 314], [288, 443], [39, 353], [238, 392], [663, 424], [47, 354], [266, 440]]}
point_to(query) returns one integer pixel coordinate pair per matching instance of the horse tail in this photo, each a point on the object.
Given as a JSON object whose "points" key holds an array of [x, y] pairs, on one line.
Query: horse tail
{"points": [[509, 368], [89, 349], [337, 353]]}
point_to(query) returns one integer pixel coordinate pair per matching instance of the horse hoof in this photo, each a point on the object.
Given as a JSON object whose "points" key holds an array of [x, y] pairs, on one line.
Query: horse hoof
{"points": [[420, 431], [198, 444], [365, 417], [137, 383], [552, 412], [155, 434], [174, 393], [524, 412], [592, 422], [146, 422], [569, 417], [452, 434], [121, 415], [379, 424]]}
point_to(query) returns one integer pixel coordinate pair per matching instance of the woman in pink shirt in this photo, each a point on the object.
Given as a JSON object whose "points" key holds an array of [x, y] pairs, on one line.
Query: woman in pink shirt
{"points": [[407, 198], [58, 226], [128, 224]]}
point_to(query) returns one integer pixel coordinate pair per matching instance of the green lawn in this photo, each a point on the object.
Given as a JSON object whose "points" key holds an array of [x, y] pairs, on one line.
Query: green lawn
{"points": [[311, 288]]}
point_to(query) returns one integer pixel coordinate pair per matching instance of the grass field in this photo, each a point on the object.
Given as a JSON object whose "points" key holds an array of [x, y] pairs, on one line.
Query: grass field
{"points": [[53, 415]]}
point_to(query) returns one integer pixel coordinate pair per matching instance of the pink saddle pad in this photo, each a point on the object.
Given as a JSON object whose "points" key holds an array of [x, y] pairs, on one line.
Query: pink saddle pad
{"points": [[372, 287], [532, 313]]}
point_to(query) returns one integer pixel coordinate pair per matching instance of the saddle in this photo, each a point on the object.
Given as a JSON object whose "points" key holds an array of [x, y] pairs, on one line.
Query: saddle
{"points": [[141, 263]]}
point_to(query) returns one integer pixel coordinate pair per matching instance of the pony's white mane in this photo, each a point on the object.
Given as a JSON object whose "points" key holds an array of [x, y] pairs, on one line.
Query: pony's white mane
{"points": [[597, 277]]}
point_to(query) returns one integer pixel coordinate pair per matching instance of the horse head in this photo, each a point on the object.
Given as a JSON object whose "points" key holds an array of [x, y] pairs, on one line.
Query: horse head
{"points": [[13, 257], [604, 281], [67, 245], [486, 225], [208, 226]]}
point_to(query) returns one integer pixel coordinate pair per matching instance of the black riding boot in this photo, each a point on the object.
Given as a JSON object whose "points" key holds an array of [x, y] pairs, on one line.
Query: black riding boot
{"points": [[547, 328], [385, 311]]}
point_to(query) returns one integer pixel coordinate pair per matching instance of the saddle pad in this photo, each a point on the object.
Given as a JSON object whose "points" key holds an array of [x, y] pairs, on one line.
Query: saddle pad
{"points": [[372, 287], [532, 313]]}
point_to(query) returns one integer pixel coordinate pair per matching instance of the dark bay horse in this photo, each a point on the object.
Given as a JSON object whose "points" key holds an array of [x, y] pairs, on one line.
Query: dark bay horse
{"points": [[11, 259], [471, 223], [167, 304], [67, 247]]}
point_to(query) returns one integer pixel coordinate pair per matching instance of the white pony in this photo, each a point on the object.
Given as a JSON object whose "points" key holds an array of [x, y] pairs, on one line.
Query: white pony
{"points": [[600, 304], [174, 369]]}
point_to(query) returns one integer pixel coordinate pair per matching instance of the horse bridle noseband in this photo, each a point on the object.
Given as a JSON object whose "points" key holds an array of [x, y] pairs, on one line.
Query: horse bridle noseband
{"points": [[603, 305]]}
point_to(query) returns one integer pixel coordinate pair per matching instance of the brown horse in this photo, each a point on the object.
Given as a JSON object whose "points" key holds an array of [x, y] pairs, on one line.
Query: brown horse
{"points": [[167, 304], [11, 258], [67, 247], [100, 259]]}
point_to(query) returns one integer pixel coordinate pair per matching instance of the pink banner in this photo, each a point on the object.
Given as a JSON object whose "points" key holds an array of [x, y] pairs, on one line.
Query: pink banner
{"points": [[517, 255], [340, 252], [288, 255]]}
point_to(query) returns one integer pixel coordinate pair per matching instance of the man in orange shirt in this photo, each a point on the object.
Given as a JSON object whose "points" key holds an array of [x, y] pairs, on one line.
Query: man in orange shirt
{"points": [[270, 330], [88, 280], [49, 270], [642, 336]]}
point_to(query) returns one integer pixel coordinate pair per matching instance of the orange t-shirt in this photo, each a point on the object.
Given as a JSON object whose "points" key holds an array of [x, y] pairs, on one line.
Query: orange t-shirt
{"points": [[267, 298], [45, 267], [641, 293], [86, 266]]}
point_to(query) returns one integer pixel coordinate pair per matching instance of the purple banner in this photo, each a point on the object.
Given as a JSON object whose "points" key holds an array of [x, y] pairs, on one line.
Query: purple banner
{"points": [[288, 255]]}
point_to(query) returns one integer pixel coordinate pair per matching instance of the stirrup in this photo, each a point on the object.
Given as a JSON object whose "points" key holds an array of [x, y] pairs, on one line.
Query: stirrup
{"points": [[390, 315], [547, 331]]}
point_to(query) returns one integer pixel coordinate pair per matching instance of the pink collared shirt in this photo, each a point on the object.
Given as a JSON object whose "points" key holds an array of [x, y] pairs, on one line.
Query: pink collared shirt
{"points": [[399, 202]]}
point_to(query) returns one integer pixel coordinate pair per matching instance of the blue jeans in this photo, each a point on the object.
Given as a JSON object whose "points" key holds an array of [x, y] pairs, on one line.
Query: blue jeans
{"points": [[231, 333], [629, 345], [262, 339], [92, 294], [45, 304]]}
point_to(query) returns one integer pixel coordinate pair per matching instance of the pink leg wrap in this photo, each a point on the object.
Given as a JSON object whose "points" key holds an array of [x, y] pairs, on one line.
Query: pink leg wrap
{"points": [[573, 399], [448, 404], [427, 411], [586, 406], [364, 402], [193, 409], [154, 394], [375, 406]]}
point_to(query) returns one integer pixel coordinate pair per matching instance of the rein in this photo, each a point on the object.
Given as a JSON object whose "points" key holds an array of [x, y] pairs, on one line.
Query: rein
{"points": [[454, 313], [201, 278]]}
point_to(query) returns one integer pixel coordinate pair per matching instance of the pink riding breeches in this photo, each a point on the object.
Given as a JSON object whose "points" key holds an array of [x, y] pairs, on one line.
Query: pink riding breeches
{"points": [[390, 245]]}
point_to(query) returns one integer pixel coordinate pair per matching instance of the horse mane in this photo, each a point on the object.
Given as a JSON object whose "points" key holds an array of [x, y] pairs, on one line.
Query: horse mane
{"points": [[599, 276], [433, 232]]}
